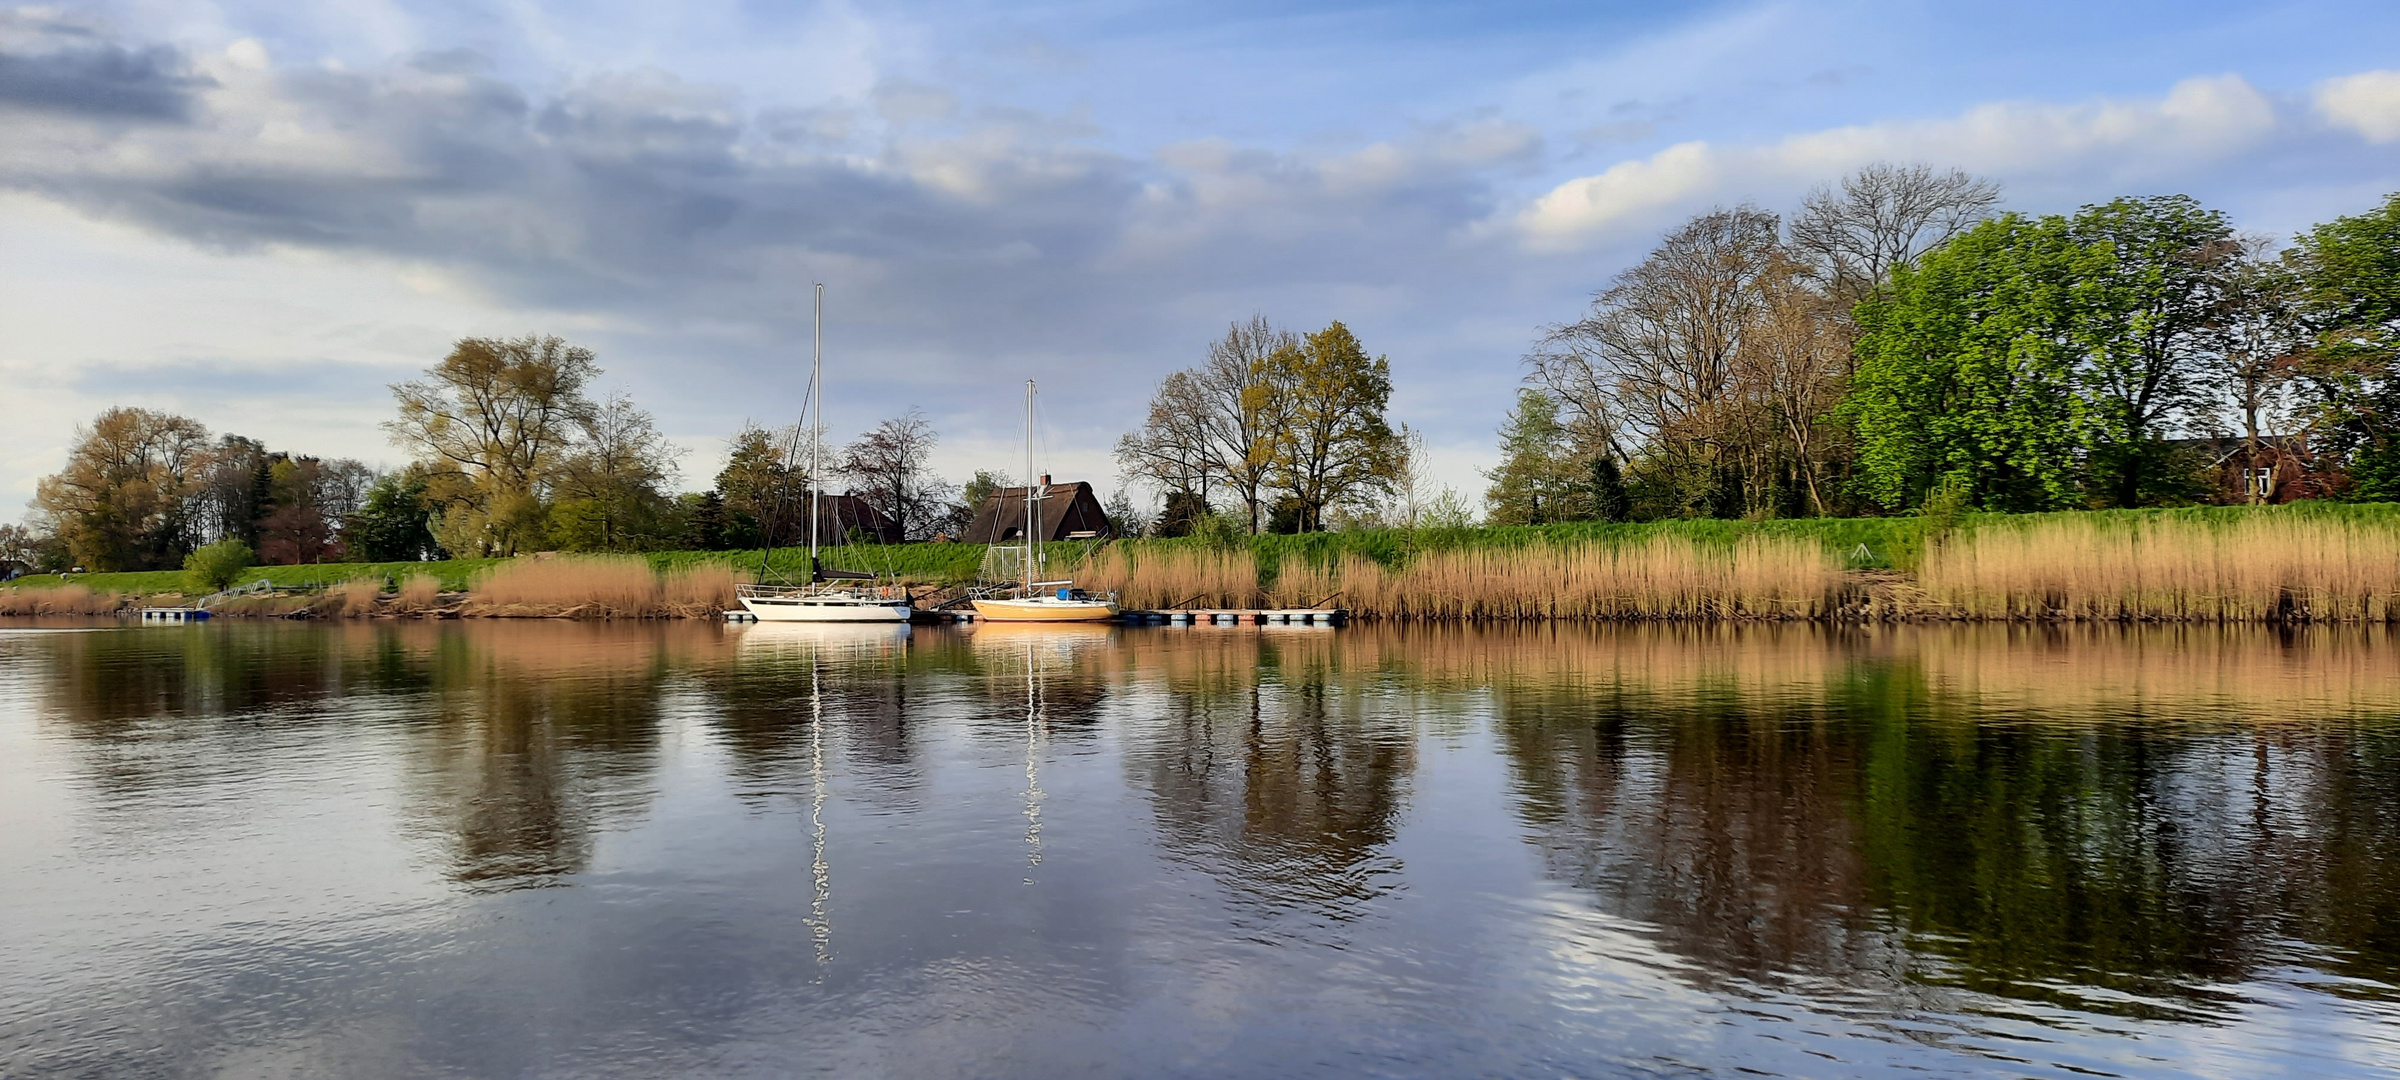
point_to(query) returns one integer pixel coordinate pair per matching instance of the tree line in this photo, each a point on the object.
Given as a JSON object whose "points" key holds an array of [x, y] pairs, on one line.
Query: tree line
{"points": [[511, 452], [1901, 340]]}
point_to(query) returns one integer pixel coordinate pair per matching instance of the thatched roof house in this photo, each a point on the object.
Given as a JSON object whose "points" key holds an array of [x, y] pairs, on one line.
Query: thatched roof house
{"points": [[1065, 512]]}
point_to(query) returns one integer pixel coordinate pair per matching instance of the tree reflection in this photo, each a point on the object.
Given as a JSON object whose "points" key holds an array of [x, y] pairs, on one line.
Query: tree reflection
{"points": [[539, 737], [1892, 821], [1273, 776]]}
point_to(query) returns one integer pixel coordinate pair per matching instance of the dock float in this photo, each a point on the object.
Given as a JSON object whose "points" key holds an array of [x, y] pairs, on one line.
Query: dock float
{"points": [[1239, 617]]}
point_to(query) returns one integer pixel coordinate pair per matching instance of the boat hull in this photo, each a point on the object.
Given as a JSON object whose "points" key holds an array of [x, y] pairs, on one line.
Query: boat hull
{"points": [[1045, 609], [825, 610]]}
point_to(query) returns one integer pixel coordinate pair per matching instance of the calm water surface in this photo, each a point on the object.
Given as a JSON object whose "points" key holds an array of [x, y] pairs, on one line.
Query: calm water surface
{"points": [[479, 849]]}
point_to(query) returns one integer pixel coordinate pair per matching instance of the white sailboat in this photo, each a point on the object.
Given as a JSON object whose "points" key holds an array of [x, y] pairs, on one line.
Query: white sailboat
{"points": [[821, 600], [1042, 601]]}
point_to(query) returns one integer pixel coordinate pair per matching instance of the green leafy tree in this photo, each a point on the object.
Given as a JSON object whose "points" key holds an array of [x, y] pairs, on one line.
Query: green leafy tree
{"points": [[765, 485], [2144, 320], [2350, 274], [1532, 482], [1332, 442], [612, 490], [1610, 500], [1967, 369], [215, 567], [704, 520], [393, 523]]}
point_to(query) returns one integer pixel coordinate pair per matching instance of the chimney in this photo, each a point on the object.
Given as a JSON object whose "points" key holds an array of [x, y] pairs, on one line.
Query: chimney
{"points": [[1045, 479]]}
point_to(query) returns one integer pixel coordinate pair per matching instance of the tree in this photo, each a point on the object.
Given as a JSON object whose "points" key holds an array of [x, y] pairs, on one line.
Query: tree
{"points": [[764, 484], [2256, 342], [1967, 371], [392, 524], [888, 461], [1794, 363], [1413, 484], [1332, 443], [502, 413], [704, 520], [217, 566], [1653, 366], [2349, 270], [1125, 518], [2142, 317], [1610, 501], [1882, 218], [294, 528], [127, 497], [611, 489], [1215, 424], [1530, 485]]}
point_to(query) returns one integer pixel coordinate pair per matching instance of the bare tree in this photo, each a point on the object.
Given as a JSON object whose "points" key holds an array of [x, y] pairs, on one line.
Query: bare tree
{"points": [[1883, 217], [1653, 365], [1171, 451], [2258, 340], [1794, 365], [1413, 486], [889, 461]]}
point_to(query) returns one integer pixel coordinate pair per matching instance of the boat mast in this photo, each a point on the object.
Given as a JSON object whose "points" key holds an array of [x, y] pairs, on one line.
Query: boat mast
{"points": [[1031, 549], [816, 434]]}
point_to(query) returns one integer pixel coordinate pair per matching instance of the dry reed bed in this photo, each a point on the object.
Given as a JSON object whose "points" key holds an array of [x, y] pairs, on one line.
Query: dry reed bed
{"points": [[59, 600], [598, 586], [1174, 577], [1664, 578], [2256, 570]]}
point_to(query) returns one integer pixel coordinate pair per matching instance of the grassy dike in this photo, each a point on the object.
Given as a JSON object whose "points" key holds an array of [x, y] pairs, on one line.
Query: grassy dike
{"points": [[2163, 563]]}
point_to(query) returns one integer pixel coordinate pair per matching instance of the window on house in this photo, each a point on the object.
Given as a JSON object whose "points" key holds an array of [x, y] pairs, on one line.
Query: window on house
{"points": [[2259, 482]]}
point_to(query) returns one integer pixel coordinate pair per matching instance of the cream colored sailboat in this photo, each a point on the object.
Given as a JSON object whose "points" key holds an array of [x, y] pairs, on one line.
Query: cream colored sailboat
{"points": [[1042, 601], [821, 600]]}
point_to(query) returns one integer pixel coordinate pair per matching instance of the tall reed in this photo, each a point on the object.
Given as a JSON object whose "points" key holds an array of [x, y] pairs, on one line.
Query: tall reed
{"points": [[58, 600], [418, 592], [615, 586], [2253, 569], [1663, 577], [358, 595], [1159, 577]]}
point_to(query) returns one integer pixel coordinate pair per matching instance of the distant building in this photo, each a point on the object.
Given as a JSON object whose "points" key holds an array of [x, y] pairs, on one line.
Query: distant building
{"points": [[2282, 472], [1064, 512], [837, 517]]}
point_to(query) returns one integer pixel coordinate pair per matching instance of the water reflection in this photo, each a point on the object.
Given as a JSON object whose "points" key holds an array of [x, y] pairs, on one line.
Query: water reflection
{"points": [[2148, 826]]}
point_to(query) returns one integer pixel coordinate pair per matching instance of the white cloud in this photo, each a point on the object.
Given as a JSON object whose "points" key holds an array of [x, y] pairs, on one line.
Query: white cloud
{"points": [[2368, 103], [2197, 120]]}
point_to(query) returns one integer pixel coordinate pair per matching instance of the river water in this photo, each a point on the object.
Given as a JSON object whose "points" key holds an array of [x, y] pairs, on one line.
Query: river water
{"points": [[558, 849]]}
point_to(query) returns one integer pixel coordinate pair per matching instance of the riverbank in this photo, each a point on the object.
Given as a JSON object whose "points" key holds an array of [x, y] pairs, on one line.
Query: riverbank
{"points": [[2296, 563]]}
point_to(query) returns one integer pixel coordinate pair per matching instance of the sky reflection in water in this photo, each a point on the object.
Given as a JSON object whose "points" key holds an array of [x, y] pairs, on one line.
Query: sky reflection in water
{"points": [[552, 849]]}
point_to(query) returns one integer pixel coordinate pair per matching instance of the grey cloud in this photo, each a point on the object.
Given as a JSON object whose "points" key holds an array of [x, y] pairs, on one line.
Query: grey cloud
{"points": [[100, 81], [901, 101], [1010, 245]]}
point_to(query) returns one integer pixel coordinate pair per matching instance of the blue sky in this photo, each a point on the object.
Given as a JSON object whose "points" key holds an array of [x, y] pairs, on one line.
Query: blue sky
{"points": [[261, 214]]}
